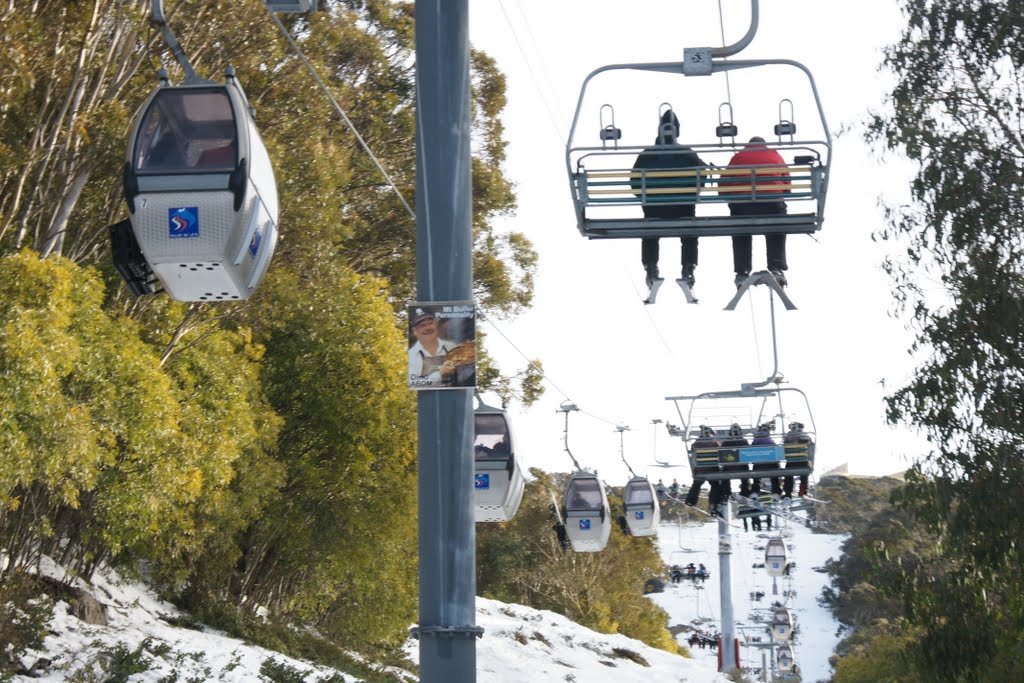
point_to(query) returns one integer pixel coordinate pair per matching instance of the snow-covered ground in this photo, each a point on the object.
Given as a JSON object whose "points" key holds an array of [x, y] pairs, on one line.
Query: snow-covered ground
{"points": [[520, 643], [698, 604]]}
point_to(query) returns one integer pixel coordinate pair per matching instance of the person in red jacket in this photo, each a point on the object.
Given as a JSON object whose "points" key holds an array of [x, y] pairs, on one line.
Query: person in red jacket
{"points": [[769, 173]]}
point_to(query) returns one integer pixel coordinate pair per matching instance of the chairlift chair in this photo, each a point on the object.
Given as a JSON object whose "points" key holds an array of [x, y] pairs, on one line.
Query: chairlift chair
{"points": [[498, 480], [718, 462], [641, 504], [609, 195], [775, 557], [201, 193], [586, 512]]}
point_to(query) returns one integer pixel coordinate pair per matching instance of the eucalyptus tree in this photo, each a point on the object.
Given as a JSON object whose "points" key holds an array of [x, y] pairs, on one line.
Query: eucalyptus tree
{"points": [[956, 112]]}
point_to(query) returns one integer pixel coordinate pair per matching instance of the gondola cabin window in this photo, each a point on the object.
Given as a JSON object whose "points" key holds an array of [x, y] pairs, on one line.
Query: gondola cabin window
{"points": [[586, 494], [187, 130]]}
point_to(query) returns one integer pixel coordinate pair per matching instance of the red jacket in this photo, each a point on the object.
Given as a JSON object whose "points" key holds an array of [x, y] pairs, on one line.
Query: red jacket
{"points": [[755, 155]]}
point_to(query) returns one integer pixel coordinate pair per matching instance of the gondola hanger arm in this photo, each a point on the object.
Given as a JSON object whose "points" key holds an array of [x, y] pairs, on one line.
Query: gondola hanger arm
{"points": [[172, 42]]}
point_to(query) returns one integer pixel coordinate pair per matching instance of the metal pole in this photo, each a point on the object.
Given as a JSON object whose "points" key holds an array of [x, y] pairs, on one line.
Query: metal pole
{"points": [[447, 541], [764, 666], [725, 588]]}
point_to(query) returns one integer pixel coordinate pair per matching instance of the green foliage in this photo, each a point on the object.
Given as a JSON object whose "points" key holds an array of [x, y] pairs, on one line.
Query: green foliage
{"points": [[25, 615], [520, 561], [854, 504], [877, 654], [955, 112], [336, 546], [294, 642], [115, 664], [258, 453]]}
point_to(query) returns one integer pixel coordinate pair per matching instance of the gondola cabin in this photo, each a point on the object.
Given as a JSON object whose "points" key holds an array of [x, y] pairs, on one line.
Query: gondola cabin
{"points": [[785, 659], [782, 625], [642, 510], [775, 557], [586, 513], [498, 480], [201, 193]]}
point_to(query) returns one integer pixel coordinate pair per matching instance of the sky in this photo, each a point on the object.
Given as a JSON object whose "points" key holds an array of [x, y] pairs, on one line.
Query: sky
{"points": [[520, 644], [616, 359]]}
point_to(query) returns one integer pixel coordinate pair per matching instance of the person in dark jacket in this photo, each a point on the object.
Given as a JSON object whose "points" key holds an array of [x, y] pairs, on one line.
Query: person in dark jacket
{"points": [[796, 434], [769, 163], [667, 154], [763, 437], [707, 440], [735, 439]]}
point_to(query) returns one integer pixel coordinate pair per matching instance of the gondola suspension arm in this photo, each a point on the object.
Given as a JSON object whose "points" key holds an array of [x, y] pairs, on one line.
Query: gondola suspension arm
{"points": [[621, 429], [172, 42], [566, 408]]}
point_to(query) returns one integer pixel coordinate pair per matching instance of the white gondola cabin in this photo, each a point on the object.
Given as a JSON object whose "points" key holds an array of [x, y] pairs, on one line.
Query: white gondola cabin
{"points": [[785, 659], [775, 557], [641, 504], [586, 512], [201, 193], [782, 625], [498, 480]]}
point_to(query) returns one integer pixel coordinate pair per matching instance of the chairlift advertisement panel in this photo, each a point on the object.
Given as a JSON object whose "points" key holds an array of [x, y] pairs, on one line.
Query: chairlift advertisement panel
{"points": [[442, 345]]}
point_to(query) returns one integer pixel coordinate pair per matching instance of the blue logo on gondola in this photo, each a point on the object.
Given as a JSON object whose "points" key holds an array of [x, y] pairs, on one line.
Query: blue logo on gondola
{"points": [[639, 514], [481, 481], [584, 525], [183, 222], [254, 243]]}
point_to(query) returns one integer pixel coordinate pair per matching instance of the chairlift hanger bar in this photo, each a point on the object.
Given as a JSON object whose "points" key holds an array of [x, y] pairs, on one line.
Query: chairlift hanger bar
{"points": [[679, 68]]}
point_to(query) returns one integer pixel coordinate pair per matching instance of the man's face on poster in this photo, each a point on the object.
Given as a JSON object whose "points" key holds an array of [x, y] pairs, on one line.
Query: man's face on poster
{"points": [[425, 330]]}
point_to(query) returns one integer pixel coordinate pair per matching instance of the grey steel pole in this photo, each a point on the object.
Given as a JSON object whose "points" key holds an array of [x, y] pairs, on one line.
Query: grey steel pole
{"points": [[447, 541], [725, 588]]}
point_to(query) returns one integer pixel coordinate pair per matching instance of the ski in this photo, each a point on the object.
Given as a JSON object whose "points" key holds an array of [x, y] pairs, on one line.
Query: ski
{"points": [[687, 291], [654, 285]]}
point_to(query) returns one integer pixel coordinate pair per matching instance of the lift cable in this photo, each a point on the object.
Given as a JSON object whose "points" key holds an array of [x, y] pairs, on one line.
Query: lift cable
{"points": [[529, 66], [341, 112]]}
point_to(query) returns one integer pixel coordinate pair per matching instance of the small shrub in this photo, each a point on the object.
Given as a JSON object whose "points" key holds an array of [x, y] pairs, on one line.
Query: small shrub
{"points": [[635, 657], [280, 672], [115, 664], [537, 635], [24, 618]]}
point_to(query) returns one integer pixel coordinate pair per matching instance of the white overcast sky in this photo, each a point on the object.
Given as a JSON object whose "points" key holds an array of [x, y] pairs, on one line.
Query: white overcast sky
{"points": [[617, 359]]}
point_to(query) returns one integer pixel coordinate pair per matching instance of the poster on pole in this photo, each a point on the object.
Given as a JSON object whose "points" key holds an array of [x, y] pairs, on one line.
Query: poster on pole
{"points": [[442, 345]]}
